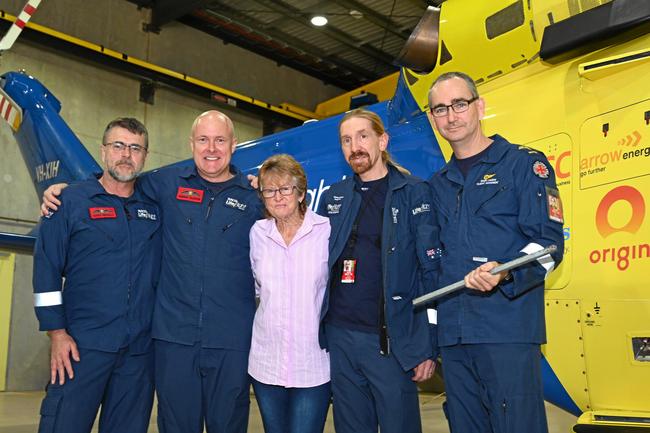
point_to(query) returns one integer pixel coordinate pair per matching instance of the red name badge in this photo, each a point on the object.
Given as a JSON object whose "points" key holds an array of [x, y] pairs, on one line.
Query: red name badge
{"points": [[189, 194], [349, 268], [102, 212]]}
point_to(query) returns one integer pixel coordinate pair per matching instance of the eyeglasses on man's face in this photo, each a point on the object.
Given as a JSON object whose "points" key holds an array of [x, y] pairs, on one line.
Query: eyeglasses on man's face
{"points": [[459, 106], [118, 146], [283, 190]]}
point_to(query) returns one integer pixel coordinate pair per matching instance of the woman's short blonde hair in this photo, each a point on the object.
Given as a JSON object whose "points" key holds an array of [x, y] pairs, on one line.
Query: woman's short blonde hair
{"points": [[282, 165]]}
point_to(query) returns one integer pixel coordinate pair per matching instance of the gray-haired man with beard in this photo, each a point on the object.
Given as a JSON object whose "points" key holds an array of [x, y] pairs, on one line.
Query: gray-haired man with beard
{"points": [[96, 262]]}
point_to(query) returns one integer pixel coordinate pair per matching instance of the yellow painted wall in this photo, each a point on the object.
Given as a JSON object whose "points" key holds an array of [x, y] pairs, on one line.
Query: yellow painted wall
{"points": [[6, 290]]}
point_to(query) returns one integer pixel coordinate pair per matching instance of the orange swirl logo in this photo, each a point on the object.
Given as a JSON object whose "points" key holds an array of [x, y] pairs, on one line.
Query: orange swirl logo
{"points": [[628, 194]]}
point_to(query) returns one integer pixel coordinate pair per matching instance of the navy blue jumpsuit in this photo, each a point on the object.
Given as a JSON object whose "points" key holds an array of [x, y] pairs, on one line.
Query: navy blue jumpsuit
{"points": [[506, 206], [205, 301], [371, 389], [107, 249]]}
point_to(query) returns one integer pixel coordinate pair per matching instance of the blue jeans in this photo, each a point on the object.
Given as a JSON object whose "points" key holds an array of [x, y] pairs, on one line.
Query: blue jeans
{"points": [[292, 410]]}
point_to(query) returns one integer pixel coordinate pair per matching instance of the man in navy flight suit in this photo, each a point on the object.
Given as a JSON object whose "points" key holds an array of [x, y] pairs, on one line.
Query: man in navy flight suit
{"points": [[384, 249], [205, 301], [96, 262], [495, 201]]}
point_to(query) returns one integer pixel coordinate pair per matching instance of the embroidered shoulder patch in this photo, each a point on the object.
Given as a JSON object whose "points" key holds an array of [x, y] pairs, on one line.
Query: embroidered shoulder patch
{"points": [[434, 253], [540, 169], [555, 211]]}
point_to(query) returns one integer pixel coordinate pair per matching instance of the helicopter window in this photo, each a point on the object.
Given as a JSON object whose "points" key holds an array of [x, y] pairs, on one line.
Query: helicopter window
{"points": [[508, 18]]}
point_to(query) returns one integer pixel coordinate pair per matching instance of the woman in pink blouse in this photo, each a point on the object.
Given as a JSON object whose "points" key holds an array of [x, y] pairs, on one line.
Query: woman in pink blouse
{"points": [[289, 251]]}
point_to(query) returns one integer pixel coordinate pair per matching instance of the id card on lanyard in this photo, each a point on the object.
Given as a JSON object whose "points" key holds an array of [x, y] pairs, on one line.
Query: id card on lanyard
{"points": [[349, 271]]}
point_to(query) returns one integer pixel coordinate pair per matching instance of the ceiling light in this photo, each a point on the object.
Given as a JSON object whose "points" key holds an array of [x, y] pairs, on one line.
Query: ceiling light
{"points": [[356, 14], [318, 20]]}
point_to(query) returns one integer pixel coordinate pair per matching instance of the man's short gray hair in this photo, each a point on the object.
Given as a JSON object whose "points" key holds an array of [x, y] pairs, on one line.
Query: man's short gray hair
{"points": [[471, 85]]}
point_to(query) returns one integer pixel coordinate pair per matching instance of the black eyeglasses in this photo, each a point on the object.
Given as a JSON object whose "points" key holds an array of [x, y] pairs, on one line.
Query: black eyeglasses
{"points": [[283, 190], [460, 106], [118, 146]]}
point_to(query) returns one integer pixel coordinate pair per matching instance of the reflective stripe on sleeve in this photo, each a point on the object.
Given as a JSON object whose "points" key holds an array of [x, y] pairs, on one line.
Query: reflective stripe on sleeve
{"points": [[432, 315], [47, 299], [546, 261]]}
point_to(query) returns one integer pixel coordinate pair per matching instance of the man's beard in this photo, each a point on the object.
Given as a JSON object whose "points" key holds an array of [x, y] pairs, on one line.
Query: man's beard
{"points": [[123, 177], [362, 165]]}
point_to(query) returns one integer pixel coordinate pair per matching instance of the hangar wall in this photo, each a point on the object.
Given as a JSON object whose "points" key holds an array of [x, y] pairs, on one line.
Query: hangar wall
{"points": [[91, 97]]}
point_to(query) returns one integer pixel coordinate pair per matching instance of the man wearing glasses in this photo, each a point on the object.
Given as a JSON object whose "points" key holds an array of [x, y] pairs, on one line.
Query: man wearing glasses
{"points": [[96, 263], [205, 299], [494, 202]]}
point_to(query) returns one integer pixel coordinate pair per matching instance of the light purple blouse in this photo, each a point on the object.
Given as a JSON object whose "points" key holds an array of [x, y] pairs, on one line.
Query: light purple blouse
{"points": [[290, 282]]}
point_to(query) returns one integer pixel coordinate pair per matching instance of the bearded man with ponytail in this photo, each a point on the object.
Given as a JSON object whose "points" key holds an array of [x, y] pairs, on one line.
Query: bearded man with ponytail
{"points": [[384, 250]]}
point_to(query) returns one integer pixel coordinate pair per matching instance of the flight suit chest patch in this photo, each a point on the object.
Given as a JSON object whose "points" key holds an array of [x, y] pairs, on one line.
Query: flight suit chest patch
{"points": [[189, 194], [333, 209], [424, 207], [235, 204], [488, 179], [144, 214], [102, 212]]}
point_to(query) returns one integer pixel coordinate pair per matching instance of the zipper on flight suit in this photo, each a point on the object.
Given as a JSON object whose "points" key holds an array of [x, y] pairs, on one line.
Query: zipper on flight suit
{"points": [[384, 337], [128, 220], [207, 216], [210, 203]]}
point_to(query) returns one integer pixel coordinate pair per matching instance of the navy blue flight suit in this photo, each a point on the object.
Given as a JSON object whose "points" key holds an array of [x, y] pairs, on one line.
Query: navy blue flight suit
{"points": [[508, 205], [205, 301], [370, 388], [108, 250]]}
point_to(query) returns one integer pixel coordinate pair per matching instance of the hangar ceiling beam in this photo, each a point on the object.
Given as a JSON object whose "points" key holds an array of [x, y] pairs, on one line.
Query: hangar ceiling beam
{"points": [[229, 13], [135, 67], [336, 34], [166, 11], [377, 19]]}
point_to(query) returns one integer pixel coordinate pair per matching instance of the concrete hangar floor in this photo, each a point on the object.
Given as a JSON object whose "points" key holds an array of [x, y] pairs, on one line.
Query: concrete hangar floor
{"points": [[19, 414]]}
